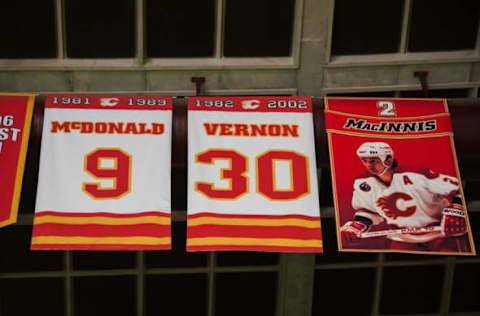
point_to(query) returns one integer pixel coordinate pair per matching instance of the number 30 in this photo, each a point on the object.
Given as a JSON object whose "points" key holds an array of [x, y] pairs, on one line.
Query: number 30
{"points": [[119, 173], [265, 174]]}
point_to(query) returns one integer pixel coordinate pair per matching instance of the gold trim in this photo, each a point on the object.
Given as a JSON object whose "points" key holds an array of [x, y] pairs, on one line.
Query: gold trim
{"points": [[326, 104], [62, 240], [334, 189], [102, 220], [445, 105], [234, 241], [408, 251], [19, 94], [253, 222]]}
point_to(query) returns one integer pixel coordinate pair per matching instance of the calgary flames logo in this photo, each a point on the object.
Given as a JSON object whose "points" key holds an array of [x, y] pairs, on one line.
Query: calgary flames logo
{"points": [[109, 101], [250, 104], [388, 204]]}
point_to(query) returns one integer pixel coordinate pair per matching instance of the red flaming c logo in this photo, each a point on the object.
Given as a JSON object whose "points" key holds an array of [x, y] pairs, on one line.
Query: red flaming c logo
{"points": [[388, 204]]}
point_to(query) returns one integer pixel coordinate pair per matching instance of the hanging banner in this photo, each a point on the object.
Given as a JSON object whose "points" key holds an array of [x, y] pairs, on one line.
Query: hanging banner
{"points": [[15, 119], [252, 176], [104, 178], [395, 176]]}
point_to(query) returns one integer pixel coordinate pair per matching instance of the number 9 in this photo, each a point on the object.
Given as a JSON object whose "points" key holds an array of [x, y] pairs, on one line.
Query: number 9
{"points": [[119, 173]]}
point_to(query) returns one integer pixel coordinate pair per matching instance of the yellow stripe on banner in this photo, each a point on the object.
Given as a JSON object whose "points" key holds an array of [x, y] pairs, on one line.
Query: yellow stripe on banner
{"points": [[61, 240], [19, 94], [101, 220], [281, 242], [253, 222]]}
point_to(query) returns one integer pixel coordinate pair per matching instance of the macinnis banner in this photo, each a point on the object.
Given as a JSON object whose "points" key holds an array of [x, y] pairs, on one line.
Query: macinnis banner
{"points": [[104, 178], [252, 182], [15, 120], [395, 176]]}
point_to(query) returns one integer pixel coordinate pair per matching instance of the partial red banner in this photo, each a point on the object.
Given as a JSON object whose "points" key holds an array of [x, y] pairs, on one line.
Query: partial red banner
{"points": [[395, 177], [15, 119]]}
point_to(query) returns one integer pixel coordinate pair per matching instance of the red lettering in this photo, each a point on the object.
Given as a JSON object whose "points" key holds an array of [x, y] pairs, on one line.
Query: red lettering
{"points": [[226, 130], [131, 128], [63, 127], [406, 180], [210, 129], [241, 130], [290, 130], [115, 127], [260, 130], [158, 128]]}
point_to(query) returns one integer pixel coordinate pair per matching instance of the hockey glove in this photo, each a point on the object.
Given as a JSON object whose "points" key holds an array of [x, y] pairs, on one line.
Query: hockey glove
{"points": [[453, 221], [350, 233]]}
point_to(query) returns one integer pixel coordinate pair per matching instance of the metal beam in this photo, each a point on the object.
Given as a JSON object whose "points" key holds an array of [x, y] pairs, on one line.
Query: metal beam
{"points": [[60, 24], [407, 9], [140, 31], [298, 295]]}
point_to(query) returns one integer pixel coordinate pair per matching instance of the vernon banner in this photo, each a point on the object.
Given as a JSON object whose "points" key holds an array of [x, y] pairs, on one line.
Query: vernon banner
{"points": [[396, 182], [252, 181], [104, 178], [15, 118]]}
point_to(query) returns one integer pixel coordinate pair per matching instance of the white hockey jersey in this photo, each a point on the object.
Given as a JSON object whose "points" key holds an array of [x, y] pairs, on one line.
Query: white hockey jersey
{"points": [[415, 198]]}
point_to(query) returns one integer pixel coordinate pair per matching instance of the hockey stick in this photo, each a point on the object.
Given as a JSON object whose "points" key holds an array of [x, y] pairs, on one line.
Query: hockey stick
{"points": [[401, 231]]}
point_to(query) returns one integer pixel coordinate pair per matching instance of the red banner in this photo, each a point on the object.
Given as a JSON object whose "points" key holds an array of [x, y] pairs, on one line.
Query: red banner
{"points": [[15, 119], [395, 176]]}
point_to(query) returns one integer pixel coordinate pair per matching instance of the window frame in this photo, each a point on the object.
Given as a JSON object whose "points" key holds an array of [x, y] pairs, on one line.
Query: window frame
{"points": [[402, 56], [142, 62]]}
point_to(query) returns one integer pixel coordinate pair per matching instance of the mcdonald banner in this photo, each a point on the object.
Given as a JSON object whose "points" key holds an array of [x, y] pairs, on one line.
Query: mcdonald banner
{"points": [[15, 119], [252, 176], [104, 178], [396, 182]]}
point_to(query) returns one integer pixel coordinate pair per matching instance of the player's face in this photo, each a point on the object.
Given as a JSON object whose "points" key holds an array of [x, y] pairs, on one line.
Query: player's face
{"points": [[373, 164]]}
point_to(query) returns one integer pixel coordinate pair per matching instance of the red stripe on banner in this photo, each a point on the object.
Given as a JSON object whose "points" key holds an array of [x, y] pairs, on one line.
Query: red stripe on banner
{"points": [[255, 248], [271, 217], [102, 214], [292, 232], [98, 247], [108, 102], [95, 230], [402, 107], [251, 104]]}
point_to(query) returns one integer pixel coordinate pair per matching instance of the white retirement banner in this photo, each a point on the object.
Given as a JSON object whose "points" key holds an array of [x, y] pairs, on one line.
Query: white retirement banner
{"points": [[104, 179], [252, 176]]}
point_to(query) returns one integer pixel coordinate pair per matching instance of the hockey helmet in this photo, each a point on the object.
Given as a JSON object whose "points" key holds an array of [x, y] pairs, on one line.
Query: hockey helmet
{"points": [[375, 149]]}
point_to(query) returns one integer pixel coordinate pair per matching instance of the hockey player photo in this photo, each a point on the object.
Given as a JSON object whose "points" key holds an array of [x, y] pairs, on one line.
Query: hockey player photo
{"points": [[399, 203]]}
